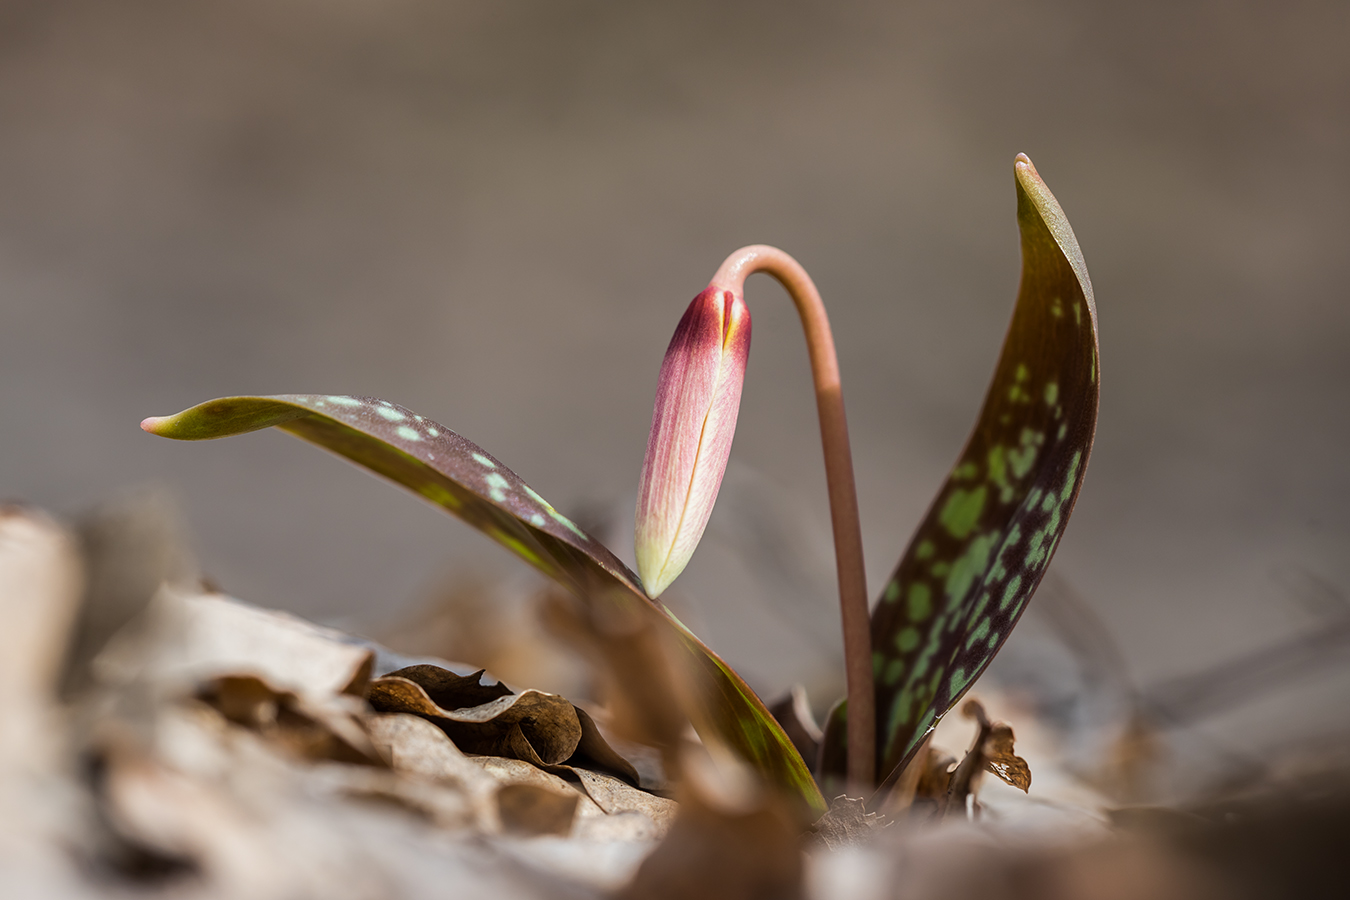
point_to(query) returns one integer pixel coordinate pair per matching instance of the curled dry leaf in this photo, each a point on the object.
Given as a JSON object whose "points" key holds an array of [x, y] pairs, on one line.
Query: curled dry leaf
{"points": [[1000, 759], [540, 728], [450, 690], [991, 751], [519, 726]]}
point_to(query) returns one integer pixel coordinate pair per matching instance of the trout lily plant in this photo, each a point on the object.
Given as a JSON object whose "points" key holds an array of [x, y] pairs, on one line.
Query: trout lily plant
{"points": [[959, 587]]}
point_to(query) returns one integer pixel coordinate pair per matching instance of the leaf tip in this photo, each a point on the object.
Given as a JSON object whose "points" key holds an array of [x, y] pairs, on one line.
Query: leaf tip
{"points": [[154, 424], [1026, 171]]}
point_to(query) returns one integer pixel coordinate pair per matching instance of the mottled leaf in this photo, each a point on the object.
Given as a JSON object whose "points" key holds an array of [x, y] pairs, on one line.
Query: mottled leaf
{"points": [[462, 478], [990, 533]]}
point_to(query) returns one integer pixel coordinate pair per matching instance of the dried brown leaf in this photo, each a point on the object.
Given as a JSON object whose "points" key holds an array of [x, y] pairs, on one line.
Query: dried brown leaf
{"points": [[1000, 759], [530, 810], [547, 723], [937, 774], [991, 751], [594, 752], [415, 746], [616, 797], [317, 730], [847, 823], [224, 637], [732, 840], [543, 729], [449, 690]]}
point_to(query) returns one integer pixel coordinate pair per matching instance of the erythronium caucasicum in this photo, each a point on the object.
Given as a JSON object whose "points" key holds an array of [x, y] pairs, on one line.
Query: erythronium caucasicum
{"points": [[960, 586]]}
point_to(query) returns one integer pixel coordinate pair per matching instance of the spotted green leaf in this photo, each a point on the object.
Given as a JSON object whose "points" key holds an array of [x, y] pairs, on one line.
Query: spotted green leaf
{"points": [[988, 537], [459, 476]]}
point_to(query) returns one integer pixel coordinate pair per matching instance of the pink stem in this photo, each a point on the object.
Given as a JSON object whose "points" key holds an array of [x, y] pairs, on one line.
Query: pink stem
{"points": [[848, 549]]}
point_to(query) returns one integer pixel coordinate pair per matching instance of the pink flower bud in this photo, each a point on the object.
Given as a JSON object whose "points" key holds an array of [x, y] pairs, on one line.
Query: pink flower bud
{"points": [[697, 397]]}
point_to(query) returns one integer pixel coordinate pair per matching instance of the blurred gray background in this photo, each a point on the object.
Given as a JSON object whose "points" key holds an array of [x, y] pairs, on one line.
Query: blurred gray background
{"points": [[494, 213]]}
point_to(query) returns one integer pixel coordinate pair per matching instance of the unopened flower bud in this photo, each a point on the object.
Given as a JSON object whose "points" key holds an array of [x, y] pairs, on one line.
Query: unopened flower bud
{"points": [[697, 397]]}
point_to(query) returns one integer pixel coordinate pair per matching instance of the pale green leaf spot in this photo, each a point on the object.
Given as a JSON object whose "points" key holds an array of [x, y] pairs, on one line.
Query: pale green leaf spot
{"points": [[497, 485], [998, 466], [900, 707], [968, 569], [980, 604], [920, 602], [961, 513], [567, 523], [1021, 461], [981, 630]]}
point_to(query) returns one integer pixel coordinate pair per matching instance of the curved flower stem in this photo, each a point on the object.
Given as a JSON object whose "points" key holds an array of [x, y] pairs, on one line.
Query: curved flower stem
{"points": [[848, 550]]}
